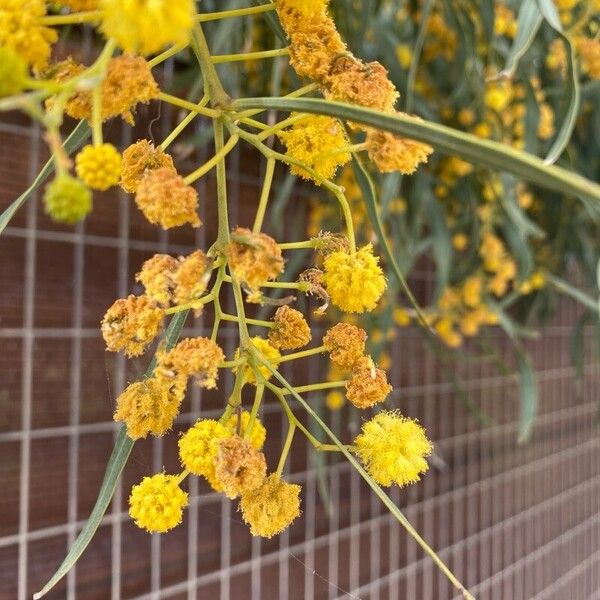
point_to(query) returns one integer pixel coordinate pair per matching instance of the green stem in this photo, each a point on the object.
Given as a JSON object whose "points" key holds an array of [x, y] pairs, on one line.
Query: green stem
{"points": [[195, 108], [238, 12], [227, 58], [258, 395], [264, 196], [387, 501], [298, 245], [217, 303], [194, 304], [239, 307], [235, 399], [172, 51], [218, 95], [258, 322], [303, 354], [286, 448], [315, 387], [208, 165], [221, 175], [279, 126], [183, 124]]}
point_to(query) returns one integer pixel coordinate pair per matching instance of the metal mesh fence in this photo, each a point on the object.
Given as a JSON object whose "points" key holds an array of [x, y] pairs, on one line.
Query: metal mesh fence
{"points": [[512, 521]]}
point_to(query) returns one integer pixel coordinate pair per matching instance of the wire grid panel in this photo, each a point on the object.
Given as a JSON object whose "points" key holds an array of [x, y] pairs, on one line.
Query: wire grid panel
{"points": [[511, 521]]}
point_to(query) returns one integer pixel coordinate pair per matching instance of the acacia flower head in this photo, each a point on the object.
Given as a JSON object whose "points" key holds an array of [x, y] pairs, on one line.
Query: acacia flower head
{"points": [[368, 385], [253, 258], [319, 142], [198, 447], [238, 424], [130, 324], [239, 467], [271, 507], [392, 153], [191, 277], [345, 344], [13, 72], [99, 167], [198, 356], [268, 351], [166, 200], [393, 449], [291, 331], [354, 282], [67, 200], [128, 82], [148, 407], [156, 503], [147, 26], [21, 31], [366, 84], [156, 276], [139, 158]]}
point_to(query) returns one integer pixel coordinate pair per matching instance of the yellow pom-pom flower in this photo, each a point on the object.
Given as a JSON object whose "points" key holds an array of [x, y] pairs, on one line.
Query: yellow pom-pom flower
{"points": [[20, 29], [198, 447], [13, 72], [258, 434], [354, 282], [393, 449], [271, 507], [317, 141], [268, 351], [147, 26], [99, 167], [156, 504], [67, 200]]}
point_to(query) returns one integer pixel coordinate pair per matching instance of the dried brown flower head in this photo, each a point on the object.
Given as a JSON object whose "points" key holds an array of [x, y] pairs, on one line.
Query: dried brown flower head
{"points": [[239, 467], [139, 158], [368, 385], [199, 357], [345, 344], [291, 330], [165, 199], [130, 324], [148, 407], [254, 258], [393, 153]]}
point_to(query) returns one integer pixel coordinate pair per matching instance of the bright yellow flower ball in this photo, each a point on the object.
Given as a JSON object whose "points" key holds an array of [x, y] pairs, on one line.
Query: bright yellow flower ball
{"points": [[156, 504], [147, 26], [199, 446], [13, 72], [393, 449], [99, 166], [355, 282]]}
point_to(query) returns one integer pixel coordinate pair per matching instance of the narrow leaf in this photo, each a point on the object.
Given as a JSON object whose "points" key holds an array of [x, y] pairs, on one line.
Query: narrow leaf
{"points": [[118, 459], [571, 101], [566, 288], [75, 140], [529, 20], [478, 151], [529, 396], [370, 198]]}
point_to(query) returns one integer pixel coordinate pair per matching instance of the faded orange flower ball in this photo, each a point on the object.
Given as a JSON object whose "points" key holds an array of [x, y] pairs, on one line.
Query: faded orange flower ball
{"points": [[368, 385], [345, 344], [291, 331], [165, 199]]}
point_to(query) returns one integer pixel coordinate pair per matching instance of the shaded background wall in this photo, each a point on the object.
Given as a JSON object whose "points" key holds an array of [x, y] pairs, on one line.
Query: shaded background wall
{"points": [[512, 521]]}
